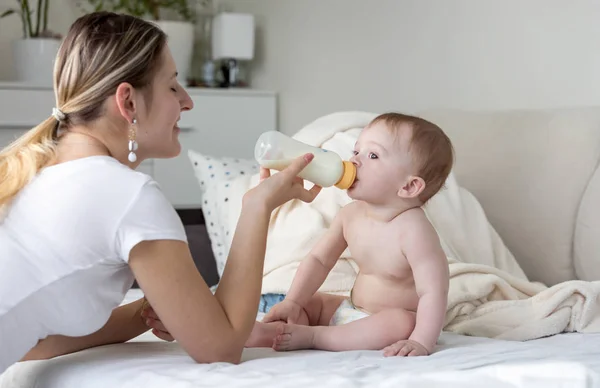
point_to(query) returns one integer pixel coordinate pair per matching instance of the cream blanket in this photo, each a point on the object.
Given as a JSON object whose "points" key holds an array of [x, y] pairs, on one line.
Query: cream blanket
{"points": [[489, 296]]}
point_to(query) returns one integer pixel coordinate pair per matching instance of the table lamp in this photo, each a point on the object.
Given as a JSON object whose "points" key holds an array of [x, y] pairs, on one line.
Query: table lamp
{"points": [[232, 41]]}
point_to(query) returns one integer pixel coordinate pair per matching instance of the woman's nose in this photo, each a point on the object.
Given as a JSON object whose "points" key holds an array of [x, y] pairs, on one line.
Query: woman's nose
{"points": [[186, 102]]}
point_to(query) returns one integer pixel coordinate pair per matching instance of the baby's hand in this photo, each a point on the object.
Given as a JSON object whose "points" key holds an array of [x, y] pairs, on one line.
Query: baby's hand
{"points": [[405, 348]]}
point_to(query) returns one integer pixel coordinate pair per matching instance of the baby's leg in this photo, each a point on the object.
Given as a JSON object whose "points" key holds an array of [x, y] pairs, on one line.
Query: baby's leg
{"points": [[318, 311], [321, 307], [371, 333]]}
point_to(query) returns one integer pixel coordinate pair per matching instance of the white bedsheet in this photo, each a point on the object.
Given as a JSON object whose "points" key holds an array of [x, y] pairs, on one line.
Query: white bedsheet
{"points": [[566, 360]]}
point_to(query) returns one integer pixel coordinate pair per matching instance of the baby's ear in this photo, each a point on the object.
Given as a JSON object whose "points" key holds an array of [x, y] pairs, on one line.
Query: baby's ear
{"points": [[412, 188]]}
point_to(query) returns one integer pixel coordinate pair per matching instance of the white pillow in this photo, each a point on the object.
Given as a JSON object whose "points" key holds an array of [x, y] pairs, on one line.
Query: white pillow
{"points": [[214, 176]]}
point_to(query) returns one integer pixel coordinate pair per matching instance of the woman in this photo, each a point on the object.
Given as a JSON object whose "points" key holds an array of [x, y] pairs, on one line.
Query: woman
{"points": [[79, 222]]}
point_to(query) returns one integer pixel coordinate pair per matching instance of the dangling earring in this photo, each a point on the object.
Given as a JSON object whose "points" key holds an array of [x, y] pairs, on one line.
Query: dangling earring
{"points": [[133, 145]]}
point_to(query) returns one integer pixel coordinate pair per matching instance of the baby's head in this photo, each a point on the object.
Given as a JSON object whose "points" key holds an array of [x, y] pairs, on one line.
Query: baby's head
{"points": [[400, 157]]}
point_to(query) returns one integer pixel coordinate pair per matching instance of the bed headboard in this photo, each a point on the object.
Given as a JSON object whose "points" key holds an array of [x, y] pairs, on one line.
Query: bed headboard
{"points": [[530, 171]]}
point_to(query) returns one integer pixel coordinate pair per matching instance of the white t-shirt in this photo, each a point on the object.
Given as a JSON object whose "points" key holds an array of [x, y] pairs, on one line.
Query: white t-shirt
{"points": [[64, 249]]}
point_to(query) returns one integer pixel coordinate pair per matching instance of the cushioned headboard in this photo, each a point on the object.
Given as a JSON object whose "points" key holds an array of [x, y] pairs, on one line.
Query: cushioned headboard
{"points": [[529, 169]]}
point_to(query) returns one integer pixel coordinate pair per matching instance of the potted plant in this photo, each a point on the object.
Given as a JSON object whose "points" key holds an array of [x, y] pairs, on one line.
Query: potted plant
{"points": [[35, 52], [180, 32]]}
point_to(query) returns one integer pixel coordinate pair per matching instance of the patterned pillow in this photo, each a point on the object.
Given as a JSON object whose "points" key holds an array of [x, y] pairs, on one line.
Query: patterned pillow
{"points": [[214, 175]]}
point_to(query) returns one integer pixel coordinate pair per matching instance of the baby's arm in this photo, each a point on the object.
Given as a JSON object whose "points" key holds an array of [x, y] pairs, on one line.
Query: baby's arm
{"points": [[314, 269], [430, 270]]}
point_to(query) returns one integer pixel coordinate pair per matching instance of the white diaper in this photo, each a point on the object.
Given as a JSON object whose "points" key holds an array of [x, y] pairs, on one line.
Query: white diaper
{"points": [[346, 313]]}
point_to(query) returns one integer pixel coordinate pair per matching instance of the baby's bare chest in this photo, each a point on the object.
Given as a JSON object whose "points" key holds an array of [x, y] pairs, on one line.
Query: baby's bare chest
{"points": [[377, 248]]}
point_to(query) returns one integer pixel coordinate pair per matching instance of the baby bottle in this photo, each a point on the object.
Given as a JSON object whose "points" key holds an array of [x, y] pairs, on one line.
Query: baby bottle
{"points": [[276, 151]]}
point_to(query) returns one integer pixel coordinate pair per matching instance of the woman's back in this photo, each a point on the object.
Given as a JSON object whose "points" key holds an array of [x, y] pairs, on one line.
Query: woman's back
{"points": [[64, 246]]}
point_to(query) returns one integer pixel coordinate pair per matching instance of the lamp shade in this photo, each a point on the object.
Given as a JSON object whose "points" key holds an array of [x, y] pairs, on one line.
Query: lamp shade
{"points": [[233, 36]]}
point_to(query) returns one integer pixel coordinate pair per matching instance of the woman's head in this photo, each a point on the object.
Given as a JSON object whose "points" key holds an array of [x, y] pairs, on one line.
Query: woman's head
{"points": [[116, 69], [114, 77]]}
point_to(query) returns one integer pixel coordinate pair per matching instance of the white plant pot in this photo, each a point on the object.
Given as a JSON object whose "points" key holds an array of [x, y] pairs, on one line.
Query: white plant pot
{"points": [[33, 60], [180, 39]]}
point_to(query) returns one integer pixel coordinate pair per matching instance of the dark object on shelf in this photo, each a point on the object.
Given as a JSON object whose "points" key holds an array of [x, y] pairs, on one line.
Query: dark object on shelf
{"points": [[231, 74]]}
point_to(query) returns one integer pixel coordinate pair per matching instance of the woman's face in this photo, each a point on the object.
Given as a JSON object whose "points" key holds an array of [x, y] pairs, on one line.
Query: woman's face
{"points": [[157, 131]]}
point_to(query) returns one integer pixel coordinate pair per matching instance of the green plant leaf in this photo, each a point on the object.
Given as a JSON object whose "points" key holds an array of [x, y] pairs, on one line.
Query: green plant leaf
{"points": [[7, 12], [144, 8]]}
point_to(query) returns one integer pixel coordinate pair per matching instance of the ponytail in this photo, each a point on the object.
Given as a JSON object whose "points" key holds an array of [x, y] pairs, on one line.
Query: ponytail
{"points": [[23, 159], [100, 51]]}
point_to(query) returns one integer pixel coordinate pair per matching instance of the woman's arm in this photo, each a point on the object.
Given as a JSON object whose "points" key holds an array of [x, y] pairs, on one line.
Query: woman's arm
{"points": [[124, 324], [210, 328], [214, 328]]}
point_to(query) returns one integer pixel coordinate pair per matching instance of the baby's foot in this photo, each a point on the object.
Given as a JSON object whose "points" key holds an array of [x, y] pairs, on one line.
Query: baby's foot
{"points": [[263, 334], [294, 337]]}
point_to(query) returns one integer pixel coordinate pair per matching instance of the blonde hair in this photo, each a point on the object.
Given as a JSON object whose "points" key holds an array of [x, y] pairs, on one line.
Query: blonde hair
{"points": [[430, 148], [100, 51]]}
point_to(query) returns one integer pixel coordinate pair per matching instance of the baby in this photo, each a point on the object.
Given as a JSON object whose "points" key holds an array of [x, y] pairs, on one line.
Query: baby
{"points": [[399, 299]]}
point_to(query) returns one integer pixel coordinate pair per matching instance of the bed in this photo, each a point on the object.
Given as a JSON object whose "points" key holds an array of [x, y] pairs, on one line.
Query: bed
{"points": [[566, 360], [509, 221]]}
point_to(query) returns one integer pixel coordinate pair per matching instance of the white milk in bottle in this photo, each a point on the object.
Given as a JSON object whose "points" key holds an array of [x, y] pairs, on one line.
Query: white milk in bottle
{"points": [[276, 151]]}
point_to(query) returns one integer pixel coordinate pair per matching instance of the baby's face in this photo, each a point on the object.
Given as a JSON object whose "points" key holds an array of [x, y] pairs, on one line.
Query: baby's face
{"points": [[383, 164]]}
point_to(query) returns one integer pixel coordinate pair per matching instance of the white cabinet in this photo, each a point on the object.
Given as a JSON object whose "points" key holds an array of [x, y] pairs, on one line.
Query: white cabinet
{"points": [[221, 124], [224, 122]]}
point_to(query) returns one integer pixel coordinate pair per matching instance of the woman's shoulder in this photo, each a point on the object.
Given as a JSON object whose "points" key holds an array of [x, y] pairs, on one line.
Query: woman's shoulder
{"points": [[97, 163], [99, 184], [95, 172]]}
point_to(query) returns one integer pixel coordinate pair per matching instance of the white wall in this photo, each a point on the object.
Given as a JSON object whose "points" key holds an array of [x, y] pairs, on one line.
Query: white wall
{"points": [[61, 14], [376, 55], [327, 55]]}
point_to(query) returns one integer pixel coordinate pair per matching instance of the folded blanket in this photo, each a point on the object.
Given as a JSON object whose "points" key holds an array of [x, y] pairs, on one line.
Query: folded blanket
{"points": [[486, 302], [489, 295]]}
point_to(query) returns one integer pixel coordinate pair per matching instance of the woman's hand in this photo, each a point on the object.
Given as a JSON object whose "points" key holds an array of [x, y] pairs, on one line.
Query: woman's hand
{"points": [[274, 191], [153, 321]]}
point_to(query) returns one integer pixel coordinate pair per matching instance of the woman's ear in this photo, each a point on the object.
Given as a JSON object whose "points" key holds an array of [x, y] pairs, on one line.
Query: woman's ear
{"points": [[412, 188], [126, 103]]}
